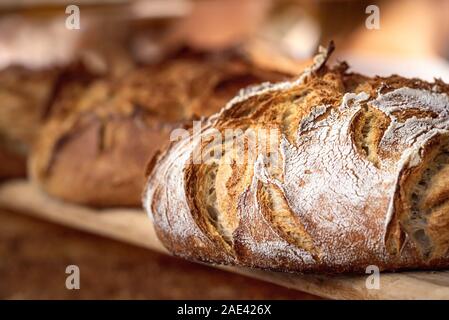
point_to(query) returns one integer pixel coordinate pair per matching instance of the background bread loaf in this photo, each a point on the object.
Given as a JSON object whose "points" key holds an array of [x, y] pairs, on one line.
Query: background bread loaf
{"points": [[29, 97], [353, 177], [93, 150]]}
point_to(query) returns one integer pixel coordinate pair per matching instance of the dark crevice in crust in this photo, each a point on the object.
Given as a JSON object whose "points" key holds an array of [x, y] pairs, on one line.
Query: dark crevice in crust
{"points": [[368, 128], [403, 115], [286, 223], [424, 200], [210, 202], [201, 182], [418, 211], [102, 137], [56, 146]]}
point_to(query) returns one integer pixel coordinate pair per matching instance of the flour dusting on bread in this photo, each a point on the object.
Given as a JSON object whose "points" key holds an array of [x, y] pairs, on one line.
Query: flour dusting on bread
{"points": [[358, 181]]}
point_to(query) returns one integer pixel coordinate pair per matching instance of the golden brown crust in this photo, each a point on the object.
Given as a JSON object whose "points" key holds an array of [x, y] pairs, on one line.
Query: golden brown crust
{"points": [[337, 191], [94, 148]]}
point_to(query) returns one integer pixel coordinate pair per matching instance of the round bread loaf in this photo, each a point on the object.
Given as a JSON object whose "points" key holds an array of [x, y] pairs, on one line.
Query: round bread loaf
{"points": [[332, 172], [94, 148]]}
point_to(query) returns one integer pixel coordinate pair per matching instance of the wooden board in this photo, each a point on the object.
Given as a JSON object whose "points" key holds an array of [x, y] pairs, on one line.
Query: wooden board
{"points": [[133, 226]]}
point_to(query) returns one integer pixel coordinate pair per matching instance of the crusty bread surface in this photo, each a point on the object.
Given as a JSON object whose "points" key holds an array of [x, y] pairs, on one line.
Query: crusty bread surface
{"points": [[354, 175]]}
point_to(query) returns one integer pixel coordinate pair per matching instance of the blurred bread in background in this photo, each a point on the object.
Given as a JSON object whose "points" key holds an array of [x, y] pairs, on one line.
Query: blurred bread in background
{"points": [[94, 148], [38, 56]]}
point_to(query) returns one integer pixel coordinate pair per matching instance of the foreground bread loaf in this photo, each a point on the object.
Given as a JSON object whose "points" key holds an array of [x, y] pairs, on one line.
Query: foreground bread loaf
{"points": [[332, 172], [93, 150]]}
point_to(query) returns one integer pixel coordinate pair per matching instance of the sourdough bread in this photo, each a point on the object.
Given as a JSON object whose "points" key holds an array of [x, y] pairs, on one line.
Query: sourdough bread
{"points": [[354, 175]]}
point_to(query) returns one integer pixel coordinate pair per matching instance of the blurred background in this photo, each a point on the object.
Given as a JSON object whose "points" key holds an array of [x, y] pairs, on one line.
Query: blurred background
{"points": [[33, 32], [407, 37]]}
